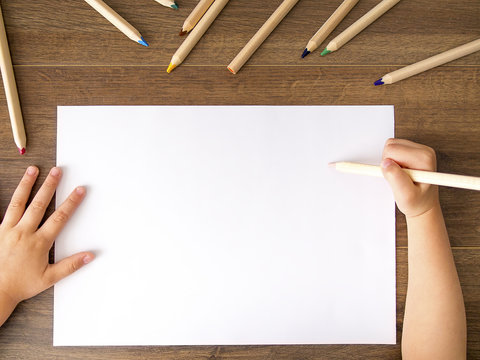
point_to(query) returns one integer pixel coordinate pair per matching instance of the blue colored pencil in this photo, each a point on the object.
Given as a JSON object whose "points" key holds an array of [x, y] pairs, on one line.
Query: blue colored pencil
{"points": [[119, 22]]}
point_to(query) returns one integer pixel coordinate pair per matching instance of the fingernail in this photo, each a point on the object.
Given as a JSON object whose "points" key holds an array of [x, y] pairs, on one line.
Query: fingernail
{"points": [[32, 170], [386, 163], [55, 172], [87, 259], [80, 190]]}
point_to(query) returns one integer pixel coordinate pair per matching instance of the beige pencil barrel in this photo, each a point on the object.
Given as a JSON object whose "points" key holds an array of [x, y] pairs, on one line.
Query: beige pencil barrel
{"points": [[196, 15], [359, 25], [119, 22], [197, 33], [261, 35], [331, 23], [11, 92], [419, 176], [432, 62]]}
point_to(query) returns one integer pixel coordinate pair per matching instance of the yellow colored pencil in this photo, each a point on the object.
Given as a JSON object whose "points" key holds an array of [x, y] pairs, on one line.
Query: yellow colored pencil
{"points": [[11, 93], [419, 176], [196, 34]]}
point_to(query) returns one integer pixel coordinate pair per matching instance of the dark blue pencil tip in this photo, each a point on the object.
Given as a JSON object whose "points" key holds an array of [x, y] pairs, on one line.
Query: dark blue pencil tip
{"points": [[174, 6], [379, 82], [305, 53], [143, 42]]}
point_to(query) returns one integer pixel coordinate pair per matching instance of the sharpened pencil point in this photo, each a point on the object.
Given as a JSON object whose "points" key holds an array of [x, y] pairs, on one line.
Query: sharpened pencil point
{"points": [[174, 6], [171, 67], [21, 151], [325, 52], [332, 165], [305, 53], [378, 82], [143, 42], [182, 32]]}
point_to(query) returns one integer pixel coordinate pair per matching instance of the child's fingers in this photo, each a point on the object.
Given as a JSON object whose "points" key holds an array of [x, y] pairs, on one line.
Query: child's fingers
{"points": [[55, 223], [20, 197], [401, 184], [404, 142], [36, 210], [419, 157], [67, 266]]}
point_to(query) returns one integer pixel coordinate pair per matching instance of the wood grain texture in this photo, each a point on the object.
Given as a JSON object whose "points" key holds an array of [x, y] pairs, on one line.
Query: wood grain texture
{"points": [[70, 32], [66, 54]]}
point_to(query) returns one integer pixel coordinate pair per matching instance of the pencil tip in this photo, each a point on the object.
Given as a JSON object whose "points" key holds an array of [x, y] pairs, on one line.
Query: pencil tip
{"points": [[378, 82], [305, 53], [332, 165], [182, 32], [231, 70], [143, 42], [171, 67], [21, 151], [174, 6], [325, 52]]}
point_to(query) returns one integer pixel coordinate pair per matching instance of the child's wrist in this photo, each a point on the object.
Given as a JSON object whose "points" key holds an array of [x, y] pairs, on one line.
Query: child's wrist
{"points": [[6, 299], [7, 305], [433, 209]]}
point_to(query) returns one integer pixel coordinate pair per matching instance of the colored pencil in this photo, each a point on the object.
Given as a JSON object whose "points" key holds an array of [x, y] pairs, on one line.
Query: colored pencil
{"points": [[192, 39], [359, 25], [119, 22], [168, 3], [261, 35], [11, 93], [195, 16], [329, 26], [419, 176], [429, 63]]}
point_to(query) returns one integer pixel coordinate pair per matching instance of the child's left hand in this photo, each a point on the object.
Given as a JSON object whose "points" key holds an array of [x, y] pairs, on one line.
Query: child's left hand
{"points": [[24, 247]]}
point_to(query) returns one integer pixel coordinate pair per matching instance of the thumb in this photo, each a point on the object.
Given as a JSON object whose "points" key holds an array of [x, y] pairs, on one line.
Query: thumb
{"points": [[399, 180], [67, 266]]}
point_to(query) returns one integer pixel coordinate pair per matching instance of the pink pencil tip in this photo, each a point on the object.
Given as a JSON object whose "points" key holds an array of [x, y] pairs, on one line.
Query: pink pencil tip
{"points": [[21, 151], [332, 165]]}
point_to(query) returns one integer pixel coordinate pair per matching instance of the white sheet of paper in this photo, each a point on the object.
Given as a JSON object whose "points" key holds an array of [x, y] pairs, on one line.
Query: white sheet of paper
{"points": [[224, 225]]}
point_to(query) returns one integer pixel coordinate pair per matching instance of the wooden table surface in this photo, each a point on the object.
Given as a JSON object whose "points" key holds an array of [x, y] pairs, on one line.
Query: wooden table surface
{"points": [[64, 53]]}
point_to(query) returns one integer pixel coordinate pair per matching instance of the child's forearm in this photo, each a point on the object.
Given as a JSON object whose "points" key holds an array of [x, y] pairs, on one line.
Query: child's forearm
{"points": [[434, 324], [7, 305]]}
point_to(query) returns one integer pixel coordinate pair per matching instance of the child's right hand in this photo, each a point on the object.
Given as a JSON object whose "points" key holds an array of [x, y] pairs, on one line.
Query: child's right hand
{"points": [[412, 199]]}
